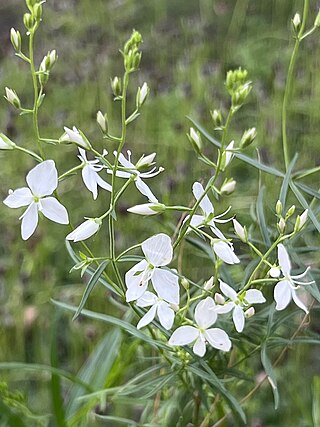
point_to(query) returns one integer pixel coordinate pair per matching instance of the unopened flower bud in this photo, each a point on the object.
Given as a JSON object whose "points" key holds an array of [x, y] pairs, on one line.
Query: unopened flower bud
{"points": [[142, 95], [116, 86], [102, 120], [296, 23], [250, 312], [279, 208], [208, 284], [219, 299], [240, 231], [75, 136], [15, 38], [28, 21], [37, 11], [148, 209], [317, 20], [235, 79], [30, 4], [240, 95], [85, 230], [145, 161], [290, 211], [274, 272], [281, 225], [228, 186], [301, 220], [195, 139], [216, 118], [248, 137], [6, 143], [12, 97], [185, 283]]}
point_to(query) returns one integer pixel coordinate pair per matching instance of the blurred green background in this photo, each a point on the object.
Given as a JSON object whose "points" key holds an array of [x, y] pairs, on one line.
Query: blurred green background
{"points": [[188, 47]]}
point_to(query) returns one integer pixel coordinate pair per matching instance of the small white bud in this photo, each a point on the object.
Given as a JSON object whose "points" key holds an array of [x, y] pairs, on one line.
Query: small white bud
{"points": [[147, 209], [195, 139], [239, 230], [228, 186], [219, 299], [291, 211], [248, 137], [208, 284], [281, 225], [102, 121], [85, 230], [296, 22], [145, 161], [229, 153], [76, 136], [303, 218], [142, 95], [278, 207], [274, 272], [12, 97], [15, 38], [250, 312], [6, 143]]}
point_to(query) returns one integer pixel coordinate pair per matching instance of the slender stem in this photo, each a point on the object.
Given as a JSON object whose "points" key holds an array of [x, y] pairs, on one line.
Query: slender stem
{"points": [[31, 153], [36, 92], [288, 86], [69, 172]]}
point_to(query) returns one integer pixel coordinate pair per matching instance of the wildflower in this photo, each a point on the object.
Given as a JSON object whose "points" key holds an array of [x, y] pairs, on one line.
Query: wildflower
{"points": [[205, 315], [159, 307], [85, 230], [76, 136], [142, 95], [222, 248], [239, 230], [90, 175], [147, 208], [238, 302], [42, 180], [131, 169], [12, 97], [285, 289], [158, 253]]}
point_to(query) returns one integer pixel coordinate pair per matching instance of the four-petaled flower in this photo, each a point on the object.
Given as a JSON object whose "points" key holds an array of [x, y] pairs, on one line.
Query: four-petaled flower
{"points": [[159, 307], [90, 175], [42, 180], [134, 170], [158, 252], [284, 290], [205, 316], [238, 303], [222, 248]]}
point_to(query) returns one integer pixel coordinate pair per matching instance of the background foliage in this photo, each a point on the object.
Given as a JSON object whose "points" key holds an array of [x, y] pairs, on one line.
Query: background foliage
{"points": [[188, 47]]}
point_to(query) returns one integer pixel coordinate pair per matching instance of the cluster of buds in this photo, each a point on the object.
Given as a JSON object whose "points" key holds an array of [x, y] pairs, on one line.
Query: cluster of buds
{"points": [[282, 222], [46, 65], [33, 17], [238, 87], [131, 53]]}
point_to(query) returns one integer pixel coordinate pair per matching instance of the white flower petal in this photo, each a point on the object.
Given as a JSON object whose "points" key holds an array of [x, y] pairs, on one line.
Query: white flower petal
{"points": [[43, 178], [89, 179], [282, 294], [226, 308], [147, 299], [238, 318], [103, 184], [284, 260], [205, 314], [199, 347], [29, 221], [158, 250], [298, 301], [54, 210], [124, 162], [254, 296], [135, 281], [184, 335], [225, 252], [85, 230], [18, 198], [148, 317], [216, 231], [166, 315], [145, 190], [218, 339], [205, 203], [196, 220], [166, 284], [228, 291]]}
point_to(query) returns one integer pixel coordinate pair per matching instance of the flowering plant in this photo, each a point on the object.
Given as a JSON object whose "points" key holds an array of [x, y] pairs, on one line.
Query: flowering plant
{"points": [[165, 304]]}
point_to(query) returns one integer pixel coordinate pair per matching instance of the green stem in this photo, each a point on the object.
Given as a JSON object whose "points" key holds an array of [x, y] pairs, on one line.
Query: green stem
{"points": [[31, 153], [69, 172], [36, 92], [288, 86]]}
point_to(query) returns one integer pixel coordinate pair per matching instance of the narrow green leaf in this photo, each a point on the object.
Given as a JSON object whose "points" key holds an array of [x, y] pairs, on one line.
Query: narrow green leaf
{"points": [[91, 284], [119, 420], [261, 218], [316, 402], [312, 192], [270, 373], [286, 181]]}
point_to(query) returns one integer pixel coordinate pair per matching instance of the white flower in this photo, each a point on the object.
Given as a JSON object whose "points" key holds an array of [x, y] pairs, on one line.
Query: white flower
{"points": [[205, 315], [132, 169], [222, 248], [85, 230], [6, 143], [90, 175], [147, 209], [76, 136], [159, 307], [239, 230], [42, 180], [158, 252], [284, 290], [239, 302]]}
